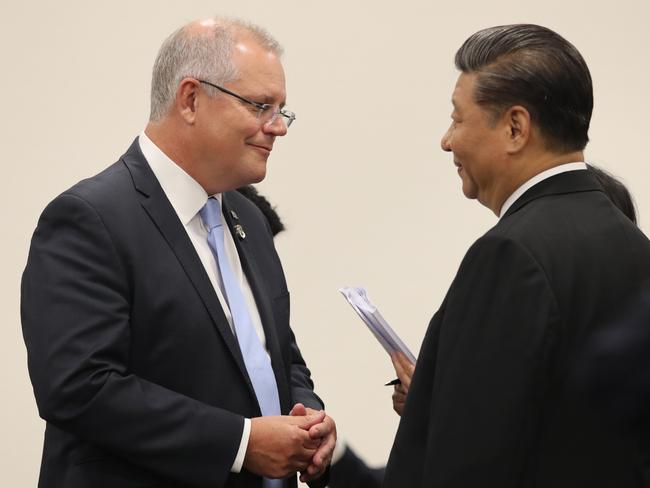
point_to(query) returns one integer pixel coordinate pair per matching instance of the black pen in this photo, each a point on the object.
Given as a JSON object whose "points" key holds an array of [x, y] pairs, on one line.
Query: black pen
{"points": [[396, 381]]}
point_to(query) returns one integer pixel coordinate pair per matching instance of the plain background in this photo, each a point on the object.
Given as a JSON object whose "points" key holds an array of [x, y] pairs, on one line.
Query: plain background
{"points": [[366, 193]]}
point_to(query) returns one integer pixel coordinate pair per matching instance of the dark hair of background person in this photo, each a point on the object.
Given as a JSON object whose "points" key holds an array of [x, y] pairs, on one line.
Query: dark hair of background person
{"points": [[250, 192], [532, 66], [616, 191]]}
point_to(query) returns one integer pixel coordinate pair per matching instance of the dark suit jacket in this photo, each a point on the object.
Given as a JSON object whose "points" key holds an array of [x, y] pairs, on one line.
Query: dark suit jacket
{"points": [[490, 404], [134, 366], [350, 471]]}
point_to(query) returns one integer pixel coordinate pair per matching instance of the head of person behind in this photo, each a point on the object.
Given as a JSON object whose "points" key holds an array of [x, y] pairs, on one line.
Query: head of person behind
{"points": [[261, 202], [217, 102], [522, 104], [616, 191]]}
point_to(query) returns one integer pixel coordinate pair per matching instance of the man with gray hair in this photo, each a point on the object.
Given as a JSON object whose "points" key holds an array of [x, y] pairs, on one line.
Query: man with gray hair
{"points": [[154, 306], [491, 403]]}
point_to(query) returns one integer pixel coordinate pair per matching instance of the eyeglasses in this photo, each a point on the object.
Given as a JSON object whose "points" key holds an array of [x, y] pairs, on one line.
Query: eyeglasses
{"points": [[266, 112]]}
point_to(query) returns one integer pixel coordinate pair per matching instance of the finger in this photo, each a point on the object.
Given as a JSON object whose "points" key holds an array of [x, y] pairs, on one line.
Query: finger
{"points": [[305, 456], [304, 477], [298, 410], [399, 369], [301, 459], [322, 429], [399, 399], [324, 453], [401, 358], [404, 369], [310, 474], [308, 421], [301, 466], [306, 442], [312, 443], [404, 363], [315, 470]]}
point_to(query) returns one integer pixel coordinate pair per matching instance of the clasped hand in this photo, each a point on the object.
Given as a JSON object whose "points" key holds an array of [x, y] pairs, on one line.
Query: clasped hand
{"points": [[282, 445]]}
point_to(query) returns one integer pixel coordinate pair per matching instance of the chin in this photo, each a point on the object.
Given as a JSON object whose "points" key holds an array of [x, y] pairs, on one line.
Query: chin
{"points": [[470, 192], [256, 177], [260, 175]]}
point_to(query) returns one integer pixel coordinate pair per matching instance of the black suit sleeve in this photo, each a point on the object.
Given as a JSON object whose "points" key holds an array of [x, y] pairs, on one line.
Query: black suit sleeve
{"points": [[496, 331], [75, 309], [302, 386], [475, 410], [352, 472], [302, 391]]}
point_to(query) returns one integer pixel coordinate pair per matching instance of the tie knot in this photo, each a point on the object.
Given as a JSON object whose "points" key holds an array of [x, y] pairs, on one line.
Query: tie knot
{"points": [[211, 214]]}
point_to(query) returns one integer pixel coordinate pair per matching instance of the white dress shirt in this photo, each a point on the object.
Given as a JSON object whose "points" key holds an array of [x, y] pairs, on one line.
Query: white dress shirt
{"points": [[188, 197], [556, 170]]}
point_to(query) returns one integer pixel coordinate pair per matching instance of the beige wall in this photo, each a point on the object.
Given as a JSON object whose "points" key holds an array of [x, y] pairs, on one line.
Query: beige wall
{"points": [[367, 195]]}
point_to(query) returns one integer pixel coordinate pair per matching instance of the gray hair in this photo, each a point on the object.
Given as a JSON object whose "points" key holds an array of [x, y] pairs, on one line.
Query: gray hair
{"points": [[206, 56]]}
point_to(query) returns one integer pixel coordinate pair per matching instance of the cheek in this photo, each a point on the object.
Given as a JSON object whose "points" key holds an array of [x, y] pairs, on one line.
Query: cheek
{"points": [[460, 143], [250, 131]]}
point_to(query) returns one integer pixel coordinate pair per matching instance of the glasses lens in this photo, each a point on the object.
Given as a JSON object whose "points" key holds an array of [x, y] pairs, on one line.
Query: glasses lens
{"points": [[289, 117], [268, 117]]}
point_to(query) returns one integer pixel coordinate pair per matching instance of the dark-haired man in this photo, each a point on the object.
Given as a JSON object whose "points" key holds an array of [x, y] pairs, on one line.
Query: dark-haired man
{"points": [[490, 404]]}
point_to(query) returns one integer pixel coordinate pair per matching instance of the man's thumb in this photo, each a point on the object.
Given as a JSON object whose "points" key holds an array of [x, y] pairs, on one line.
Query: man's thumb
{"points": [[298, 410]]}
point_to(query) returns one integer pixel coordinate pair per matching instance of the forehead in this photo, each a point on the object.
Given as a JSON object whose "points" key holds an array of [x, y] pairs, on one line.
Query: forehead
{"points": [[463, 94], [259, 69]]}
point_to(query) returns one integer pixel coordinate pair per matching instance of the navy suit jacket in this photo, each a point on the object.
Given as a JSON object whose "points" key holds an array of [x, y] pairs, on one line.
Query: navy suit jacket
{"points": [[133, 363], [491, 403]]}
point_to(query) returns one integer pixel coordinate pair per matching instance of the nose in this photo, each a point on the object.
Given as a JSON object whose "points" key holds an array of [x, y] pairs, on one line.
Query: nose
{"points": [[277, 127], [445, 142]]}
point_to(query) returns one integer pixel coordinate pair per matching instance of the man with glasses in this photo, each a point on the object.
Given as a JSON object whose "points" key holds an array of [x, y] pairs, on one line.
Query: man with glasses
{"points": [[155, 311]]}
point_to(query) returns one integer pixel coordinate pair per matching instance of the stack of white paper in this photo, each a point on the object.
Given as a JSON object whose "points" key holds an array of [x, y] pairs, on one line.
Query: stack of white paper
{"points": [[358, 298]]}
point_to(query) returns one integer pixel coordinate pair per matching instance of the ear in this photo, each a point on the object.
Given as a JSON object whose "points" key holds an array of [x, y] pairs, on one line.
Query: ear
{"points": [[187, 99], [517, 122]]}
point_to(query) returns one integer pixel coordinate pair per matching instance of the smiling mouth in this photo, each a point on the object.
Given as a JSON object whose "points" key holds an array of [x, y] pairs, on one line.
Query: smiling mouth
{"points": [[263, 148]]}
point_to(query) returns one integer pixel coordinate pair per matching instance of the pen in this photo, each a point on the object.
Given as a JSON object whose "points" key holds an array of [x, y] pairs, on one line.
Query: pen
{"points": [[396, 381]]}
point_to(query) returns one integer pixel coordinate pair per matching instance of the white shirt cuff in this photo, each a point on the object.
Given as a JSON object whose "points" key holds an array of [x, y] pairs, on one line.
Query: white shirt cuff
{"points": [[243, 445]]}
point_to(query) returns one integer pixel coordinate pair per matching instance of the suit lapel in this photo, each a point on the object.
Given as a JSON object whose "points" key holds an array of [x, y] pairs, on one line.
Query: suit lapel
{"points": [[264, 307], [155, 203]]}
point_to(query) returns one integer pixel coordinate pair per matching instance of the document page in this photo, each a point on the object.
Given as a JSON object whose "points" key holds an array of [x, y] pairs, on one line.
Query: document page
{"points": [[358, 298]]}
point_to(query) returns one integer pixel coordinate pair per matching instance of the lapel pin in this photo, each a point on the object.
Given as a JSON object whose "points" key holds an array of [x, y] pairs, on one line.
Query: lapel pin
{"points": [[234, 215], [240, 231]]}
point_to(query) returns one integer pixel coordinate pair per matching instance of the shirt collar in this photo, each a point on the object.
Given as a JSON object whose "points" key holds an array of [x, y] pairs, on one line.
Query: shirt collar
{"points": [[556, 170], [184, 192]]}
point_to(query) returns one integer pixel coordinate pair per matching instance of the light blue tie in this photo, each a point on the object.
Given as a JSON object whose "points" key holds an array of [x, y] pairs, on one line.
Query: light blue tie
{"points": [[257, 361]]}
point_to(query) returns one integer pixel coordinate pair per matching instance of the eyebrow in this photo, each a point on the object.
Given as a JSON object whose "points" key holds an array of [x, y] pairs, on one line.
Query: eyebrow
{"points": [[266, 99]]}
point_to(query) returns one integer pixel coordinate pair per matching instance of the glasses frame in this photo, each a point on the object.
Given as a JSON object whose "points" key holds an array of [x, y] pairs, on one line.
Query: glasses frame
{"points": [[288, 115]]}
